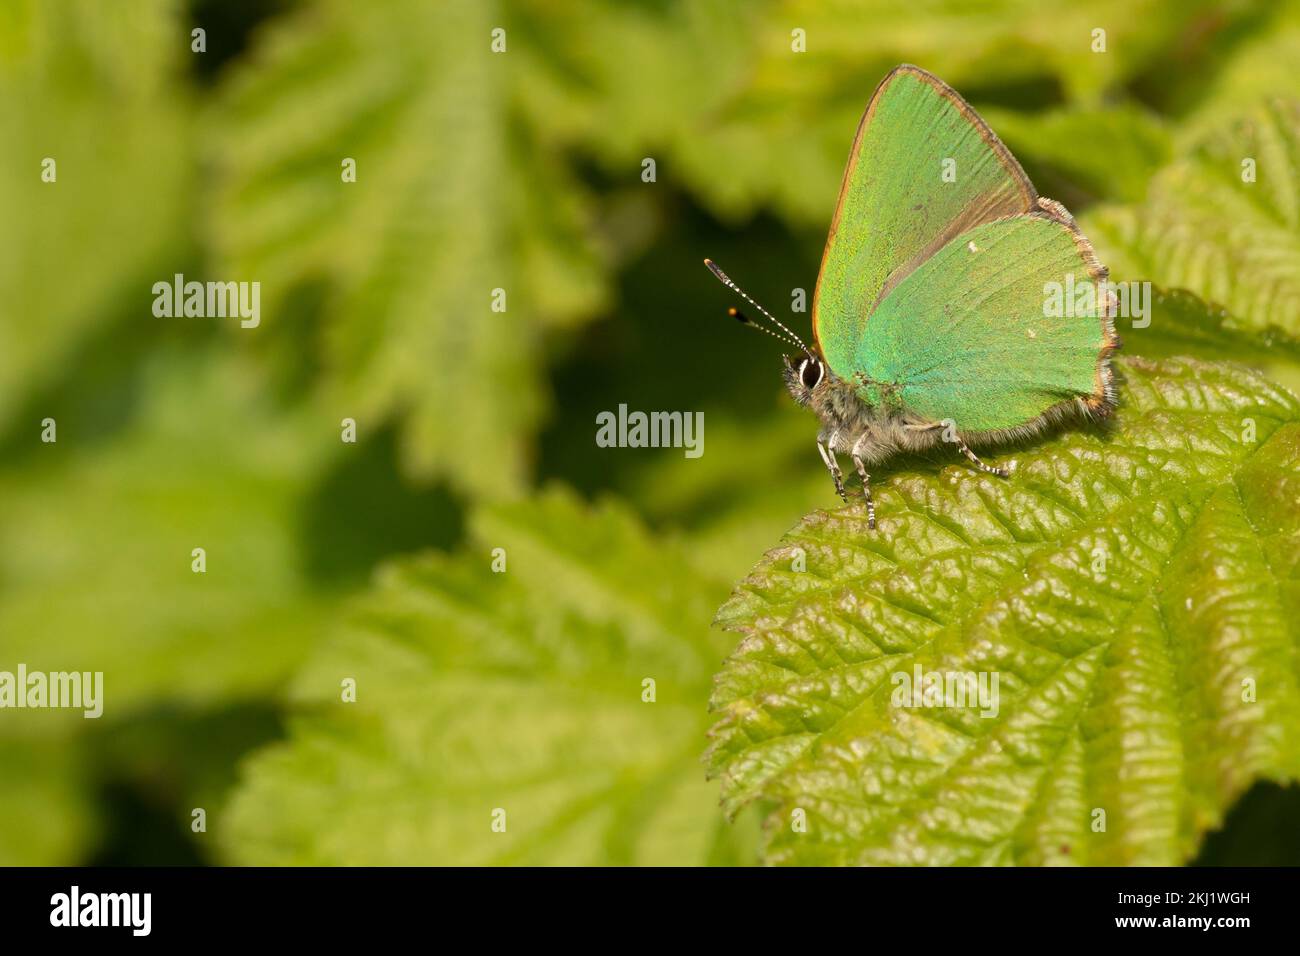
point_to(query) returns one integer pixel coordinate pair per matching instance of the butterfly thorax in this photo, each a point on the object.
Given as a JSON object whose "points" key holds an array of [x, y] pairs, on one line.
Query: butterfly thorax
{"points": [[859, 418]]}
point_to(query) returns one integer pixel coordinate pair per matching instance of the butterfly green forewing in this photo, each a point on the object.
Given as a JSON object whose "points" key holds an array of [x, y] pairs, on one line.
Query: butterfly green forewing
{"points": [[931, 292]]}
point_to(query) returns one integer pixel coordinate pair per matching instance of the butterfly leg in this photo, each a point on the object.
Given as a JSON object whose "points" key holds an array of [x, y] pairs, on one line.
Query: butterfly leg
{"points": [[987, 469], [833, 466], [866, 491]]}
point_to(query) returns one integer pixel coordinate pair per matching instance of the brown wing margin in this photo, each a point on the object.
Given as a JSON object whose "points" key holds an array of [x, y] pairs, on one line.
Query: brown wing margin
{"points": [[1028, 195], [1104, 398]]}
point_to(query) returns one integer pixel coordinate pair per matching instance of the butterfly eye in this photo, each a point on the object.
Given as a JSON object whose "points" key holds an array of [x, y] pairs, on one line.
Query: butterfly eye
{"points": [[810, 373]]}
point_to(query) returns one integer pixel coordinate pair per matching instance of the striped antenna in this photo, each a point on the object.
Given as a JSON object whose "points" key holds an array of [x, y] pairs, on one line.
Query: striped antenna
{"points": [[749, 323], [789, 337]]}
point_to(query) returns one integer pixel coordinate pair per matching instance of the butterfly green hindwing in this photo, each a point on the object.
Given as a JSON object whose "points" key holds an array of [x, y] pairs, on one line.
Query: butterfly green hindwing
{"points": [[965, 334], [901, 300]]}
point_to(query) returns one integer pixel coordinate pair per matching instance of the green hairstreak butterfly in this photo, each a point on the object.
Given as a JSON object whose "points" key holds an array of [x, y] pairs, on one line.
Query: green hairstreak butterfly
{"points": [[931, 317]]}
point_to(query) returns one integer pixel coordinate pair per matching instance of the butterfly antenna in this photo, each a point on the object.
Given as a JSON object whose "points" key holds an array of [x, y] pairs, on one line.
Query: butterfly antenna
{"points": [[789, 337], [749, 323]]}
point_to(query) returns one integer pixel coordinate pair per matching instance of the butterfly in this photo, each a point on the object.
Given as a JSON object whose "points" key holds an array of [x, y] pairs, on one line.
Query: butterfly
{"points": [[937, 315]]}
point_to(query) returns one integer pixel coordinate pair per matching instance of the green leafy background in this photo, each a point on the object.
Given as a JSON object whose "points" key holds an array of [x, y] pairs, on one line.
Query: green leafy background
{"points": [[524, 690]]}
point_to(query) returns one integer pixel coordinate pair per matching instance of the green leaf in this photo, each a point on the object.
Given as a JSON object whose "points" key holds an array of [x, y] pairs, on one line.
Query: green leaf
{"points": [[1126, 145], [1205, 228], [634, 80], [996, 43], [1124, 586], [520, 690], [1260, 63], [1178, 323], [455, 197], [91, 87], [47, 816], [96, 543], [1005, 52]]}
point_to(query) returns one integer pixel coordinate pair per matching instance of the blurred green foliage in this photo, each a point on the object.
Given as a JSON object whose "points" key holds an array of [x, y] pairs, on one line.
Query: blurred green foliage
{"points": [[475, 171], [527, 687]]}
